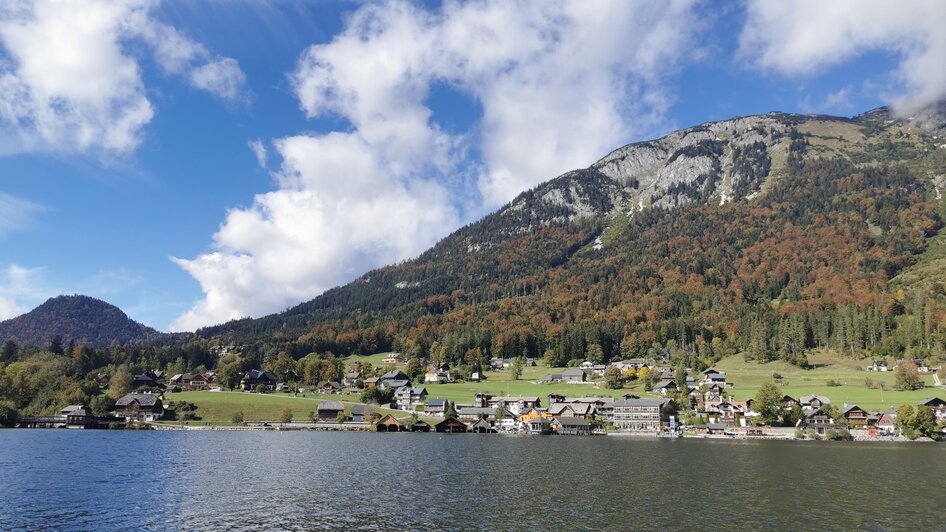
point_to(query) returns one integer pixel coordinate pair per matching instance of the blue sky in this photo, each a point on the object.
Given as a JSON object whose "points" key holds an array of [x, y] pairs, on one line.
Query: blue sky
{"points": [[127, 172]]}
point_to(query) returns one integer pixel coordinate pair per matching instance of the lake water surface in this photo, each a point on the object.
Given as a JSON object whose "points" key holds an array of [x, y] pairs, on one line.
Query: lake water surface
{"points": [[122, 480]]}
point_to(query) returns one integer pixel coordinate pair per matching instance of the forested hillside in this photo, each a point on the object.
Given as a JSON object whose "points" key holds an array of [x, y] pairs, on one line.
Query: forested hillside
{"points": [[765, 235]]}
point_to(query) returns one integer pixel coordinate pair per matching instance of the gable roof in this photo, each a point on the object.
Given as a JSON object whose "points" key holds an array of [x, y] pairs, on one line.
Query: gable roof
{"points": [[642, 402], [572, 422], [144, 399], [360, 410], [330, 406], [258, 374]]}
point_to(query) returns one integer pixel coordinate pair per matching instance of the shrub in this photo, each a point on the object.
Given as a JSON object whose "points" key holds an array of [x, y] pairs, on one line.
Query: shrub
{"points": [[839, 435], [832, 382], [237, 418]]}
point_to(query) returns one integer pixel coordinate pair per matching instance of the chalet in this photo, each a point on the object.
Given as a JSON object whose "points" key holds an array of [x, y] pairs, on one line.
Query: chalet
{"points": [[256, 377], [139, 407], [571, 426], [451, 424], [393, 379], [789, 402], [516, 405], [329, 410], [359, 413], [552, 378], [389, 424], [536, 422], [420, 426], [817, 420], [631, 363], [572, 375], [470, 414], [665, 386], [556, 398], [878, 365], [579, 410], [938, 405], [507, 422], [712, 376], [813, 402], [408, 397], [351, 378], [643, 414], [714, 392], [855, 416], [481, 426], [921, 367], [438, 374], [78, 417], [435, 407], [371, 382], [482, 399], [729, 413], [394, 358], [886, 422], [190, 381], [145, 381], [328, 387]]}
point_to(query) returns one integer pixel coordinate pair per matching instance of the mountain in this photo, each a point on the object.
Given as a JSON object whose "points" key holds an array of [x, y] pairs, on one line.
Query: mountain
{"points": [[767, 234], [83, 319]]}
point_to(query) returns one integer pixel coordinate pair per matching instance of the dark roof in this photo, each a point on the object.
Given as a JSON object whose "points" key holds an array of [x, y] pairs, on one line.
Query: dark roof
{"points": [[258, 374], [933, 401], [394, 374], [849, 408], [333, 406], [642, 402], [144, 399], [359, 410], [573, 371], [437, 402], [572, 422]]}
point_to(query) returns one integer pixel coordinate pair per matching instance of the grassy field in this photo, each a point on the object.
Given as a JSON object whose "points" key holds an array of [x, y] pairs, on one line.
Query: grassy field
{"points": [[217, 408], [852, 375]]}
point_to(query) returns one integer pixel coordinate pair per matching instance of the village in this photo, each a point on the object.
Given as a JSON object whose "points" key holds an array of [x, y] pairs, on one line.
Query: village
{"points": [[386, 400]]}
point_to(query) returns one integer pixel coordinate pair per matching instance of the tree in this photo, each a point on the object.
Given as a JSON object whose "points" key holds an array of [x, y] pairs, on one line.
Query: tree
{"points": [[286, 415], [500, 410], [371, 395], [119, 383], [55, 347], [768, 403], [594, 353], [102, 404], [414, 369], [924, 421], [9, 351], [904, 421], [515, 369], [230, 375], [8, 414], [451, 410], [340, 417], [907, 377], [260, 388], [613, 378], [237, 418]]}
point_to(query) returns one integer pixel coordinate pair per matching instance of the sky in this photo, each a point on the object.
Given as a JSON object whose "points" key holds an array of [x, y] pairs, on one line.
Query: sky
{"points": [[199, 161]]}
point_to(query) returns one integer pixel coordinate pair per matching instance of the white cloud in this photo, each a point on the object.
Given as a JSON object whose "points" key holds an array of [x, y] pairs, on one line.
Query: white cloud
{"points": [[15, 213], [259, 150], [68, 81], [559, 83], [807, 36], [19, 290]]}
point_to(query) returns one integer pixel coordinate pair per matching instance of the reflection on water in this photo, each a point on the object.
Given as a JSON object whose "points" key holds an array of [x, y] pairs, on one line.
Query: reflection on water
{"points": [[316, 480]]}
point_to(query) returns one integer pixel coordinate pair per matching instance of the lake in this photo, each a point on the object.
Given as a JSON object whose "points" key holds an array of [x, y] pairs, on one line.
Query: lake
{"points": [[79, 480]]}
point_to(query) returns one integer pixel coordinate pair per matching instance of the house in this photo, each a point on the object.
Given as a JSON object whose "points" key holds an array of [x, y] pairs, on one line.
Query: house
{"points": [[389, 424], [813, 402], [664, 386], [921, 366], [360, 412], [631, 363], [329, 410], [571, 426], [190, 381], [351, 378], [789, 402], [643, 414], [393, 379], [481, 426], [577, 410], [145, 380], [816, 419], [408, 397], [714, 392], [887, 421], [855, 416], [552, 378], [878, 365], [470, 414], [328, 387], [536, 422], [573, 375], [256, 377], [516, 405], [394, 358], [139, 407], [451, 424], [938, 405], [439, 373], [420, 426], [370, 382], [435, 407], [708, 428], [507, 422], [729, 413], [587, 365], [711, 376]]}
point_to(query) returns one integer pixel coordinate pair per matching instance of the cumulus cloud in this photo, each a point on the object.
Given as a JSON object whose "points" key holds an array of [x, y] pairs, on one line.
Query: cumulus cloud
{"points": [[808, 36], [69, 83], [560, 84], [16, 213], [19, 287]]}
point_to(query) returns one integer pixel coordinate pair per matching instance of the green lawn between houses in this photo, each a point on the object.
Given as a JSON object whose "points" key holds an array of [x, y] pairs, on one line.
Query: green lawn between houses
{"points": [[217, 408]]}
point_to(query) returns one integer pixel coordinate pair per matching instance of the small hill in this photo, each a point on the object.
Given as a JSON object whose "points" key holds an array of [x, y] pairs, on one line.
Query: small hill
{"points": [[81, 318]]}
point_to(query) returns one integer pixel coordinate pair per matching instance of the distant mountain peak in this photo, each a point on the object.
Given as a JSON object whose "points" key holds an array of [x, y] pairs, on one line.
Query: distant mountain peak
{"points": [[84, 319]]}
